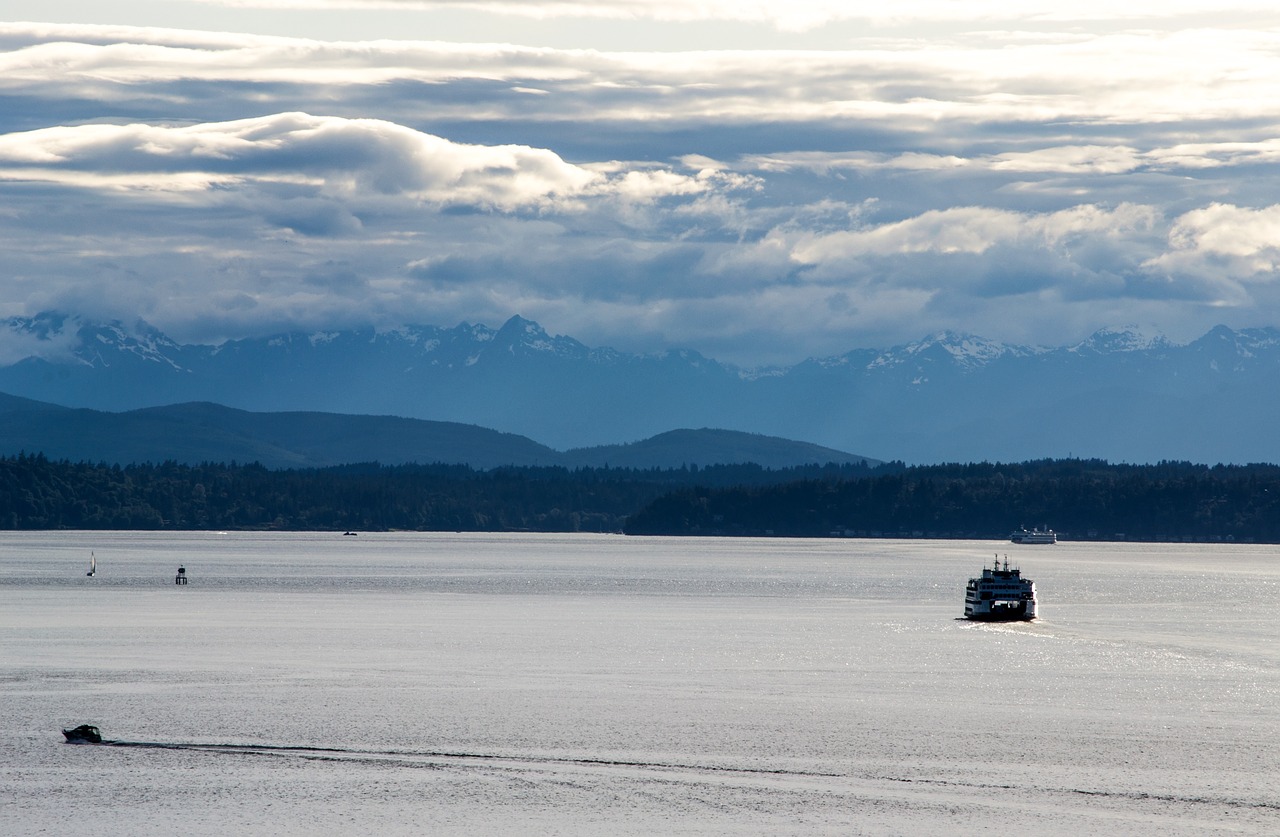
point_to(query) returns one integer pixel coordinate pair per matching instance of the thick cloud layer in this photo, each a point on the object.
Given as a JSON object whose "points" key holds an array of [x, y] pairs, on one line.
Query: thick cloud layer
{"points": [[329, 156], [1028, 184]]}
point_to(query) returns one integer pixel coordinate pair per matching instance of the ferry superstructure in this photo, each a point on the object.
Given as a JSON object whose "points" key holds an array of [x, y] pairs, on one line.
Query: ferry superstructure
{"points": [[1035, 536], [1000, 594]]}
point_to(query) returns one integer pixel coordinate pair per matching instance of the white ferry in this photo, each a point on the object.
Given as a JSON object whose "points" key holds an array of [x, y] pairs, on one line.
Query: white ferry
{"points": [[1000, 595], [1034, 536]]}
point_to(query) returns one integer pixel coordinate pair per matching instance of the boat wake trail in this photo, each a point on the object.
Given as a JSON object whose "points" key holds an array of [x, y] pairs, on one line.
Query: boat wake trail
{"points": [[1101, 794], [867, 787], [443, 758]]}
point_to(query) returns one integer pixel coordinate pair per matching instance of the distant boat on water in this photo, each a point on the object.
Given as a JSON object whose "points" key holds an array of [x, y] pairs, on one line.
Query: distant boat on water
{"points": [[83, 734], [1034, 536], [93, 565]]}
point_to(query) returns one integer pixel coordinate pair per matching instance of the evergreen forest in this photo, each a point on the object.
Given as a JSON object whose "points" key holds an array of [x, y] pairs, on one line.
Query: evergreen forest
{"points": [[1081, 499], [39, 493]]}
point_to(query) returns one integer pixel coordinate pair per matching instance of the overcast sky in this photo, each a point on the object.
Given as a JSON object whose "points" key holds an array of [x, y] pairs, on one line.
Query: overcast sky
{"points": [[759, 181]]}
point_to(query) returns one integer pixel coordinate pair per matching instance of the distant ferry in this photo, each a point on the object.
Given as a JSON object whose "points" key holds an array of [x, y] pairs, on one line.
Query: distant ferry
{"points": [[1000, 595], [1034, 536]]}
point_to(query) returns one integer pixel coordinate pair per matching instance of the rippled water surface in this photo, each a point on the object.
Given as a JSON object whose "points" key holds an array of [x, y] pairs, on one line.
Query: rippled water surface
{"points": [[523, 684]]}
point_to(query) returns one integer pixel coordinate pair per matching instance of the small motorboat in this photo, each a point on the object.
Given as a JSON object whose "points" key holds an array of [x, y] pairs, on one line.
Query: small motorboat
{"points": [[83, 734]]}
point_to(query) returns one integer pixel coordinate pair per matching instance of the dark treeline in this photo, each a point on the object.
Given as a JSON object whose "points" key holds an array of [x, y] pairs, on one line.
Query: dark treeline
{"points": [[37, 493], [1081, 499]]}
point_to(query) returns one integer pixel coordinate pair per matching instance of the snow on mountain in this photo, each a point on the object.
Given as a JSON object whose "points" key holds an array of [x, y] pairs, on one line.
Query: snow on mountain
{"points": [[324, 337], [1125, 393], [965, 351], [521, 336], [1130, 338], [99, 345], [25, 337]]}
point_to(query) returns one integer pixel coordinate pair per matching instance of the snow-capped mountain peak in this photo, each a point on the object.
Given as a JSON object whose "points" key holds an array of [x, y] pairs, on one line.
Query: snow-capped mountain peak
{"points": [[101, 345], [963, 350], [519, 336], [1129, 338], [1125, 392]]}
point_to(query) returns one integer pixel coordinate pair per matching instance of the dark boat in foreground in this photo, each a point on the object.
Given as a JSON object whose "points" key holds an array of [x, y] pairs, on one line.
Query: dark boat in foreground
{"points": [[83, 734], [1000, 595]]}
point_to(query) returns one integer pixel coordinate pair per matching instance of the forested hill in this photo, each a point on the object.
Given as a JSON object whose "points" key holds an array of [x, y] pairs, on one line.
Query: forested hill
{"points": [[40, 493], [1080, 499]]}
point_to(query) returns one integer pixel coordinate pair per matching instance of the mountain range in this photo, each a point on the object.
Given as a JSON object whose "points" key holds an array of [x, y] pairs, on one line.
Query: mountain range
{"points": [[200, 432], [1120, 395]]}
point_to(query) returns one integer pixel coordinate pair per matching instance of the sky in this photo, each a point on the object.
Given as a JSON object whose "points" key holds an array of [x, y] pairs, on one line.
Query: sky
{"points": [[758, 181]]}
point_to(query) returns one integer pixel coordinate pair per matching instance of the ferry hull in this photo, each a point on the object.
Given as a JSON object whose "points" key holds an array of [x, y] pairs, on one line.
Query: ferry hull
{"points": [[1014, 611], [1001, 617]]}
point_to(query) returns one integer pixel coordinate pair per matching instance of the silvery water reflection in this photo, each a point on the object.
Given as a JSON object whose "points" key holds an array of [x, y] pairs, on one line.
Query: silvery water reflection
{"points": [[492, 684]]}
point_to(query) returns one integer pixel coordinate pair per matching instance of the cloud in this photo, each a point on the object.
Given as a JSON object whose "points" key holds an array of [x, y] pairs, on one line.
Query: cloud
{"points": [[333, 155], [1052, 159], [213, 230], [974, 230], [1224, 243], [55, 343], [795, 14], [1017, 77], [987, 170]]}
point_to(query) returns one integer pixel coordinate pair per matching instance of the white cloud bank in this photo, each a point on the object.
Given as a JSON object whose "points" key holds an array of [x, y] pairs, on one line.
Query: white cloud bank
{"points": [[975, 230], [1027, 183], [1224, 242], [340, 157], [998, 76], [799, 14]]}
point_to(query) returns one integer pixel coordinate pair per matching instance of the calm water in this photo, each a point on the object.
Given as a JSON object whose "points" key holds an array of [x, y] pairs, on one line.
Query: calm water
{"points": [[487, 684]]}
